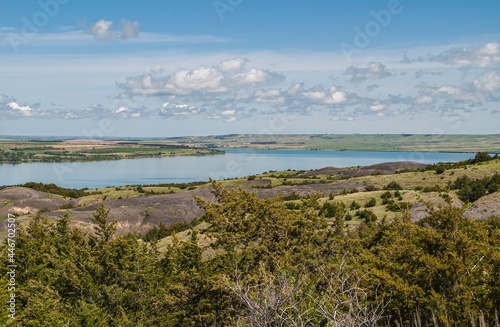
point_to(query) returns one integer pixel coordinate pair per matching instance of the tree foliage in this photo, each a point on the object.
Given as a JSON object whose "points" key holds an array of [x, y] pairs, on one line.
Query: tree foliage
{"points": [[267, 266]]}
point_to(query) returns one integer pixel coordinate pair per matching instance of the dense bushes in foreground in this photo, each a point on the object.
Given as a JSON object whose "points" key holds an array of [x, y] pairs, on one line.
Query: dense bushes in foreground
{"points": [[270, 266]]}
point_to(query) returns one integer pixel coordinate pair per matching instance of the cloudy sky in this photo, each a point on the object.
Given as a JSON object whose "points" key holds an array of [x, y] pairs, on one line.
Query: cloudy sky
{"points": [[171, 68]]}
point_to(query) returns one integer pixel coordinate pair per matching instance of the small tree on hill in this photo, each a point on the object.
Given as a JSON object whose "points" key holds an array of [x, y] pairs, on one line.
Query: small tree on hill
{"points": [[104, 229]]}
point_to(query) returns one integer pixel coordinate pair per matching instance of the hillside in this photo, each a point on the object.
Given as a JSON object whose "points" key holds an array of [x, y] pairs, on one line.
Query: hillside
{"points": [[334, 247], [138, 209], [347, 142]]}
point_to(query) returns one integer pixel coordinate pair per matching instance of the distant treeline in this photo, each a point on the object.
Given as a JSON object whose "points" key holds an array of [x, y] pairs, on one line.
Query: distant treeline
{"points": [[179, 185], [168, 146], [78, 193], [441, 167], [53, 189], [264, 142]]}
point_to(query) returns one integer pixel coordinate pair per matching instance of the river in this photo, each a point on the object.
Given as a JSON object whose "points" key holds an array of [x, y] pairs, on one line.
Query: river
{"points": [[235, 163]]}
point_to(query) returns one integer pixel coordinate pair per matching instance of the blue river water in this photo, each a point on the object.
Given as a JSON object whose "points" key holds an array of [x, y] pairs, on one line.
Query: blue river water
{"points": [[235, 163]]}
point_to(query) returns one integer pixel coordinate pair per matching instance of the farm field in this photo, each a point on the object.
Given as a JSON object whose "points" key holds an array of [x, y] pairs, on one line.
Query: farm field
{"points": [[347, 142], [61, 150], [12, 151]]}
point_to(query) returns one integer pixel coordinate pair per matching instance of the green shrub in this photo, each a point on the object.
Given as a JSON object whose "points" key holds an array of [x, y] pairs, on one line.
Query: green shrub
{"points": [[355, 205], [68, 205], [393, 186], [370, 188], [368, 215], [399, 206], [440, 169], [371, 203], [332, 209]]}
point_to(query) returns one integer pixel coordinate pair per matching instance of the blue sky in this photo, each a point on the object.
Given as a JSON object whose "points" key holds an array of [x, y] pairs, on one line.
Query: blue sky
{"points": [[171, 68]]}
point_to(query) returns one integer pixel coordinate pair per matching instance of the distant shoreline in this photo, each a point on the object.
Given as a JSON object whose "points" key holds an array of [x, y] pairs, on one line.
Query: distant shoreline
{"points": [[17, 149], [405, 151]]}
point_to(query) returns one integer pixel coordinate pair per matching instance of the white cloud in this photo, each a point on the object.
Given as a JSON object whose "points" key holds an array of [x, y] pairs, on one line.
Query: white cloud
{"points": [[424, 99], [201, 79], [218, 79], [448, 92], [488, 82], [254, 77], [178, 110], [377, 107], [375, 70], [103, 30], [336, 98], [295, 89], [129, 29], [230, 65], [315, 95], [228, 112], [268, 96], [25, 110], [468, 56]]}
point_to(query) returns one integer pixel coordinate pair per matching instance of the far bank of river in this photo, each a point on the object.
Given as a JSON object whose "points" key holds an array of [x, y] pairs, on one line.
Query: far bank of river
{"points": [[235, 163]]}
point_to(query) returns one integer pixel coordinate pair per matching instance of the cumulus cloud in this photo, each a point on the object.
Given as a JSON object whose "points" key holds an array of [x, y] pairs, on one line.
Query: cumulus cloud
{"points": [[221, 88], [127, 112], [336, 97], [375, 70], [228, 77], [488, 82], [11, 108], [169, 109], [377, 106], [24, 110], [129, 29], [448, 92], [424, 100], [468, 56], [232, 65], [268, 96], [103, 30]]}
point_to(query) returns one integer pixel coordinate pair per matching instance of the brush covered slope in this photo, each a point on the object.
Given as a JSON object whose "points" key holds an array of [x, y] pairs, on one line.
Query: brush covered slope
{"points": [[261, 261]]}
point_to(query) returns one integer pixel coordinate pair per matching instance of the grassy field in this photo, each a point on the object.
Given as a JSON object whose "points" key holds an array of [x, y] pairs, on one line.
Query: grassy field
{"points": [[58, 150], [91, 150], [349, 142], [418, 187]]}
